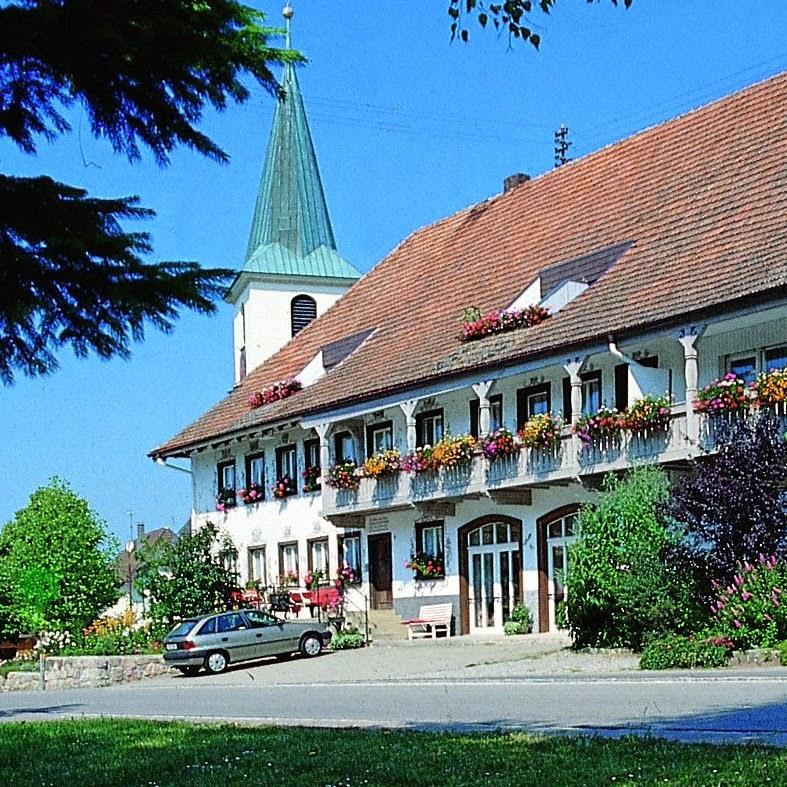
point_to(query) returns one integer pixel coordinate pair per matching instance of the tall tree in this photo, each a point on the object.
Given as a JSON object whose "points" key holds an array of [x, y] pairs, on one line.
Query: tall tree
{"points": [[508, 15], [57, 569], [735, 506], [143, 71]]}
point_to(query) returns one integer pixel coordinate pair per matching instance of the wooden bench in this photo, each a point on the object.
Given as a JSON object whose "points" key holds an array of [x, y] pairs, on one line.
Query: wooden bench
{"points": [[431, 619]]}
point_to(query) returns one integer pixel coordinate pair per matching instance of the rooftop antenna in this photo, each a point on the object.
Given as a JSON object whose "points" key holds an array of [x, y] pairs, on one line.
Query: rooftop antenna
{"points": [[561, 146], [288, 13]]}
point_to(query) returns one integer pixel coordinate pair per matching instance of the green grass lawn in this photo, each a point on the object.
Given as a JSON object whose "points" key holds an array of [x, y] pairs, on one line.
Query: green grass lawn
{"points": [[115, 752]]}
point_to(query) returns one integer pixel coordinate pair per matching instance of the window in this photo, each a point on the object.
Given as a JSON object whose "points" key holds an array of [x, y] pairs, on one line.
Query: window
{"points": [[303, 309], [533, 400], [379, 437], [776, 358], [258, 568], [591, 392], [255, 473], [318, 556], [311, 457], [226, 479], [208, 627], [344, 446], [258, 619], [288, 560], [744, 366], [233, 621], [350, 553], [429, 427], [622, 379], [495, 414], [287, 468], [429, 538]]}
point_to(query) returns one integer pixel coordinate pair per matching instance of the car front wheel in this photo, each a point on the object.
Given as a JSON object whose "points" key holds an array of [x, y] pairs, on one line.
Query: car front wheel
{"points": [[311, 645], [216, 662]]}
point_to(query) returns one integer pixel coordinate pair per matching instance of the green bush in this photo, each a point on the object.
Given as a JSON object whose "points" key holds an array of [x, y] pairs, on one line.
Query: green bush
{"points": [[512, 627], [522, 615], [621, 589], [676, 652], [18, 665], [782, 648], [347, 640]]}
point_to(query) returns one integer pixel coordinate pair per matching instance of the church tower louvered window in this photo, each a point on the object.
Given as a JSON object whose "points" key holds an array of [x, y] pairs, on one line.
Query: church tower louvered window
{"points": [[303, 310]]}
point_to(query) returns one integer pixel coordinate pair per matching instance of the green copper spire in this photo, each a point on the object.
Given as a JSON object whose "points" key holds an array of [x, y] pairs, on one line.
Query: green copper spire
{"points": [[291, 233]]}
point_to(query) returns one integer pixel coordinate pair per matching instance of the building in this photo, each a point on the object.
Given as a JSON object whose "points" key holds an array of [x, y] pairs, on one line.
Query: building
{"points": [[663, 261]]}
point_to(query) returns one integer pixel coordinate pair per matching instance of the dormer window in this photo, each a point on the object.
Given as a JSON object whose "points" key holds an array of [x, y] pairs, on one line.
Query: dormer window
{"points": [[303, 309]]}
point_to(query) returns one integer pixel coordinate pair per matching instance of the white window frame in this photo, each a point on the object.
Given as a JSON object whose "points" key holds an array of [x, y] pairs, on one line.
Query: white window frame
{"points": [[258, 564]]}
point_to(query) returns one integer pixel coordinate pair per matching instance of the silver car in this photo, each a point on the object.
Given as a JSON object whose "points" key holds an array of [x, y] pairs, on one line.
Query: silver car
{"points": [[215, 641]]}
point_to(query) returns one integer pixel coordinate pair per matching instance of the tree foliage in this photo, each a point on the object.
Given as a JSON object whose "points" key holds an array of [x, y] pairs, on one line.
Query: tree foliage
{"points": [[191, 576], [620, 587], [143, 71], [509, 15], [734, 508], [56, 564]]}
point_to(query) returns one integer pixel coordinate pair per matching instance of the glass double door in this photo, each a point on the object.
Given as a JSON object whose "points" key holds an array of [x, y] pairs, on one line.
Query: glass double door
{"points": [[494, 565]]}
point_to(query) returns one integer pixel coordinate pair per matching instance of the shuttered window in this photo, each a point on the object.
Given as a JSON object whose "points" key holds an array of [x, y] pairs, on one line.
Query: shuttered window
{"points": [[303, 309]]}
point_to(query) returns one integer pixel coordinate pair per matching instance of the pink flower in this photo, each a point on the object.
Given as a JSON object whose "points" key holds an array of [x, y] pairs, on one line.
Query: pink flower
{"points": [[738, 580], [745, 596], [736, 623], [748, 567]]}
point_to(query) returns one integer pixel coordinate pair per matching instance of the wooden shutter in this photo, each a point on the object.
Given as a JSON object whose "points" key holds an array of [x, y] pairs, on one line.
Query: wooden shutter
{"points": [[475, 417], [567, 399], [621, 386]]}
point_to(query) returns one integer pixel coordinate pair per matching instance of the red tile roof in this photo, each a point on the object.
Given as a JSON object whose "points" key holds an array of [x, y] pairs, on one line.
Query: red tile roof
{"points": [[703, 199]]}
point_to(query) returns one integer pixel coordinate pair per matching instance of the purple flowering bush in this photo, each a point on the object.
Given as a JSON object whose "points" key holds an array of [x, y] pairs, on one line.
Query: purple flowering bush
{"points": [[500, 444], [750, 609]]}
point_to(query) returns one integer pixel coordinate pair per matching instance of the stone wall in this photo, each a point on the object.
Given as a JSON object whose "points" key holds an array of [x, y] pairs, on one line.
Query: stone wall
{"points": [[72, 672]]}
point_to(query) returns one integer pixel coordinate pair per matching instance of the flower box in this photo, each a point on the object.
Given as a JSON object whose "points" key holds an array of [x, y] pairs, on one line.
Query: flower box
{"points": [[311, 479], [284, 487], [728, 394], [541, 431], [254, 494], [343, 475], [383, 464], [477, 325], [605, 423], [225, 499], [648, 413], [426, 566], [499, 445], [275, 392]]}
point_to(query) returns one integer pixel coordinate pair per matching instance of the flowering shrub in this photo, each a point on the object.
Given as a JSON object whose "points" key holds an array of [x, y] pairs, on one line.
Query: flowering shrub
{"points": [[312, 579], [426, 566], [287, 579], [676, 652], [771, 387], [283, 487], [420, 461], [541, 431], [604, 423], [501, 443], [225, 499], [275, 392], [253, 494], [343, 475], [383, 463], [649, 412], [477, 325], [109, 624], [52, 643], [725, 394], [311, 478], [750, 608], [454, 451]]}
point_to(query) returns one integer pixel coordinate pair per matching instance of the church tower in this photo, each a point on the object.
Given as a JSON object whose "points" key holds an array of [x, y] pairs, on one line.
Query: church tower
{"points": [[293, 271]]}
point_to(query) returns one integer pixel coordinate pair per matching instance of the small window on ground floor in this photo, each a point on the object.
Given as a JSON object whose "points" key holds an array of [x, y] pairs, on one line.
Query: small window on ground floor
{"points": [[318, 556], [288, 561], [258, 568], [350, 553], [429, 538]]}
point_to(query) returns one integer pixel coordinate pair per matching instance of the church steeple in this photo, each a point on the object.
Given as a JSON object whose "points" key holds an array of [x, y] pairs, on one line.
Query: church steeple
{"points": [[291, 232], [292, 270]]}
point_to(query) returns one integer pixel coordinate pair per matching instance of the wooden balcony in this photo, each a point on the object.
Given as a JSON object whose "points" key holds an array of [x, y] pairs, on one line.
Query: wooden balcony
{"points": [[511, 479]]}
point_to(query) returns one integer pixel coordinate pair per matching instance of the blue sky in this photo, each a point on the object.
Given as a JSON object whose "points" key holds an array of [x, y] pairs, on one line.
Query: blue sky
{"points": [[408, 128]]}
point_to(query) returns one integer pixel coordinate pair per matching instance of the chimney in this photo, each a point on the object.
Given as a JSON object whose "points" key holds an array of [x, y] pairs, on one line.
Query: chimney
{"points": [[140, 531], [514, 180]]}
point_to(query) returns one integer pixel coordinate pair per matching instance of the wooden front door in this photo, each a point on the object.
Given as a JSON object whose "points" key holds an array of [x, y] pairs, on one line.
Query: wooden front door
{"points": [[380, 570]]}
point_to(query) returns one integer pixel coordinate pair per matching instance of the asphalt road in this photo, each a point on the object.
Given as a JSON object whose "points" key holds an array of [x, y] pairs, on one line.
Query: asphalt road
{"points": [[714, 706]]}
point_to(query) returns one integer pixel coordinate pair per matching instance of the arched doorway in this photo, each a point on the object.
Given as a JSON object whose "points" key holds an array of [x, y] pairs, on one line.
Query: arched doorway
{"points": [[554, 532], [490, 572]]}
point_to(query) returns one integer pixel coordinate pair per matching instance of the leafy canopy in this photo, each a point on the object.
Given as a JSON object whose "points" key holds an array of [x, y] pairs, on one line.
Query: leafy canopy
{"points": [[57, 568], [192, 576], [143, 71], [735, 507], [620, 587], [510, 15]]}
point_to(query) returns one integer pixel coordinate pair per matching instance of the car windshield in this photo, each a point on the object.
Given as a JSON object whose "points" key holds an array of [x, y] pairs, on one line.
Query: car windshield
{"points": [[182, 628]]}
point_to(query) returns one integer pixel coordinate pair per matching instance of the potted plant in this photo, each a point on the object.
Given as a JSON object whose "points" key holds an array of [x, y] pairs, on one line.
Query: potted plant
{"points": [[475, 325], [275, 392], [421, 460], [426, 566], [649, 412], [541, 431], [452, 452], [499, 445], [311, 479], [728, 394], [225, 499], [383, 463], [771, 387], [253, 494], [605, 422], [312, 579], [283, 487], [343, 475]]}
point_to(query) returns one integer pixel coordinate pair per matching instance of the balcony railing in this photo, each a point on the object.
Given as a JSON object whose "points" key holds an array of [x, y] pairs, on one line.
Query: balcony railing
{"points": [[532, 467]]}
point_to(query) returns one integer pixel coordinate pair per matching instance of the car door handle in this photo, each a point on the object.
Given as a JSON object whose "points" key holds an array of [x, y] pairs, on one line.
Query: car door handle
{"points": [[259, 635], [225, 639]]}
